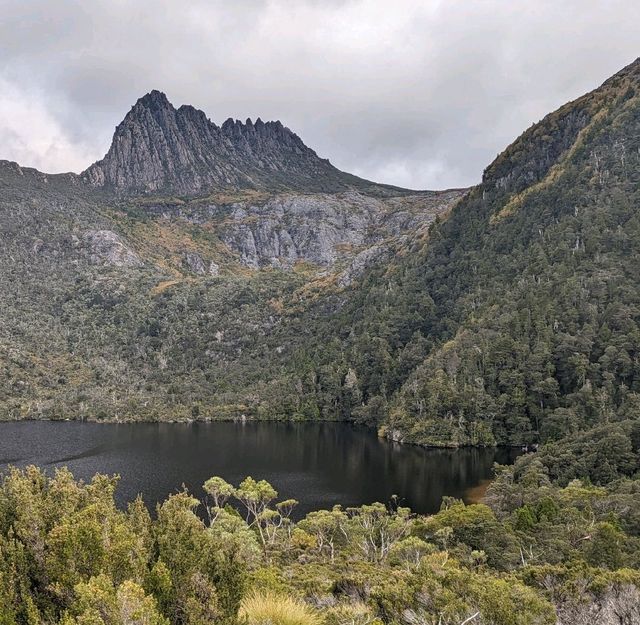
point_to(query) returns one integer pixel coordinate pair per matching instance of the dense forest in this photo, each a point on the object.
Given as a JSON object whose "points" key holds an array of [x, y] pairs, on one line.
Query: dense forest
{"points": [[518, 319]]}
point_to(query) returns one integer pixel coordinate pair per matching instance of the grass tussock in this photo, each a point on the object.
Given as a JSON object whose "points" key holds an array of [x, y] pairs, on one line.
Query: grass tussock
{"points": [[269, 608]]}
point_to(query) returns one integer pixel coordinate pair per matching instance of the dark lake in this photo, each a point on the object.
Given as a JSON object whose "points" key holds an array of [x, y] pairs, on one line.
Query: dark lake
{"points": [[320, 464]]}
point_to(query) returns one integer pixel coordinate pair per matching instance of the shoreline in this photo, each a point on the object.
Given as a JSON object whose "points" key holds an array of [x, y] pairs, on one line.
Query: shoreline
{"points": [[246, 420]]}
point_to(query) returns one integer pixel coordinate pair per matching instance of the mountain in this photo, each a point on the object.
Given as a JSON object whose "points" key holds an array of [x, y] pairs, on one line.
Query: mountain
{"points": [[171, 282], [149, 287], [158, 148]]}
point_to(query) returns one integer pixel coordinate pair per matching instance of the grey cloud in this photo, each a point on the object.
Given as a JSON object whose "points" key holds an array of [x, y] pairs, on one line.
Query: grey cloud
{"points": [[414, 93]]}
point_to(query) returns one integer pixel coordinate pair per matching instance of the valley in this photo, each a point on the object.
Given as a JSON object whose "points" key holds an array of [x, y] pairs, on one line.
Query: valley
{"points": [[202, 273], [442, 318]]}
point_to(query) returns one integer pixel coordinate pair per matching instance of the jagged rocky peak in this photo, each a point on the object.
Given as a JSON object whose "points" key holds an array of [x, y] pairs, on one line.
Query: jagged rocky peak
{"points": [[158, 148]]}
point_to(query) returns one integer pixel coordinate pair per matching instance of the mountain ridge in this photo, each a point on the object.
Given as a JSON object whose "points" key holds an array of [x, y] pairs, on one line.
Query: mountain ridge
{"points": [[159, 148], [532, 284]]}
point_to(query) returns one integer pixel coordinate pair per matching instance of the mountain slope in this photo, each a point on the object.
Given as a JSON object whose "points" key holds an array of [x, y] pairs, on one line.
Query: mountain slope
{"points": [[125, 304], [511, 315], [527, 327]]}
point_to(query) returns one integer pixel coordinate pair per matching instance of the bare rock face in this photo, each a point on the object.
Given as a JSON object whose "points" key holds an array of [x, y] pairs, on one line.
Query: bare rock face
{"points": [[362, 261], [159, 148], [105, 247], [324, 229], [301, 208], [196, 264], [289, 229]]}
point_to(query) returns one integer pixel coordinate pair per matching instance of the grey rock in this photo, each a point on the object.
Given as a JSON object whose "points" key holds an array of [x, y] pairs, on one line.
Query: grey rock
{"points": [[291, 228], [160, 148], [195, 263], [105, 247], [363, 261], [396, 436], [325, 229]]}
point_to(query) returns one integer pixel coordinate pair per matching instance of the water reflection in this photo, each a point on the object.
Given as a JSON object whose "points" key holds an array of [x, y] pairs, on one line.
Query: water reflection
{"points": [[319, 464]]}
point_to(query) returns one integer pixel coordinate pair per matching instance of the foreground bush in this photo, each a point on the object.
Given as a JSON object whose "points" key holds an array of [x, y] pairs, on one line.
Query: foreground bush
{"points": [[538, 553]]}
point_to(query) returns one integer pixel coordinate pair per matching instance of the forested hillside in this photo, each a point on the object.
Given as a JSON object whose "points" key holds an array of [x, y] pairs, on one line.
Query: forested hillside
{"points": [[124, 303], [517, 319]]}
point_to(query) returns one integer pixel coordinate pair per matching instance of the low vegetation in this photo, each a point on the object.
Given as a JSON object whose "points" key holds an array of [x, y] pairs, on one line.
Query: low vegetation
{"points": [[259, 608], [543, 548]]}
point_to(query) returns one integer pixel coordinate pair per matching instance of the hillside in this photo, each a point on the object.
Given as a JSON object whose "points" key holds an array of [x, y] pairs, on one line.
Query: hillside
{"points": [[518, 321], [509, 316], [177, 280]]}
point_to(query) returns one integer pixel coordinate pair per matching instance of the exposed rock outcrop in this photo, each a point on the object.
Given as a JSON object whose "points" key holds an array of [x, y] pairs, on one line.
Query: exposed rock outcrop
{"points": [[323, 229], [362, 262], [196, 264], [105, 247]]}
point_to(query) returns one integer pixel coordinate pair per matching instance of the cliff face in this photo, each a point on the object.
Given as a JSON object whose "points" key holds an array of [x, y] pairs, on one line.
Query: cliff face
{"points": [[158, 148], [269, 199], [324, 229]]}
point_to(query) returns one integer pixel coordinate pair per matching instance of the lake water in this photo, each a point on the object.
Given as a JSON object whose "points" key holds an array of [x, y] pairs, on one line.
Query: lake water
{"points": [[320, 464]]}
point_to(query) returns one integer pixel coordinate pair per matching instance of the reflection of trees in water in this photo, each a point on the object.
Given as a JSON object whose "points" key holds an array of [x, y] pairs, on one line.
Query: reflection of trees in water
{"points": [[317, 463]]}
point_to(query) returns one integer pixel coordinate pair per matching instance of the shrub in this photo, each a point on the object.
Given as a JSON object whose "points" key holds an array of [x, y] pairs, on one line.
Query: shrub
{"points": [[268, 608]]}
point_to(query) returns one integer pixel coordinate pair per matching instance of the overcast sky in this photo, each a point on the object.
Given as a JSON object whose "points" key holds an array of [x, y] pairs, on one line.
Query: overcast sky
{"points": [[421, 94]]}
